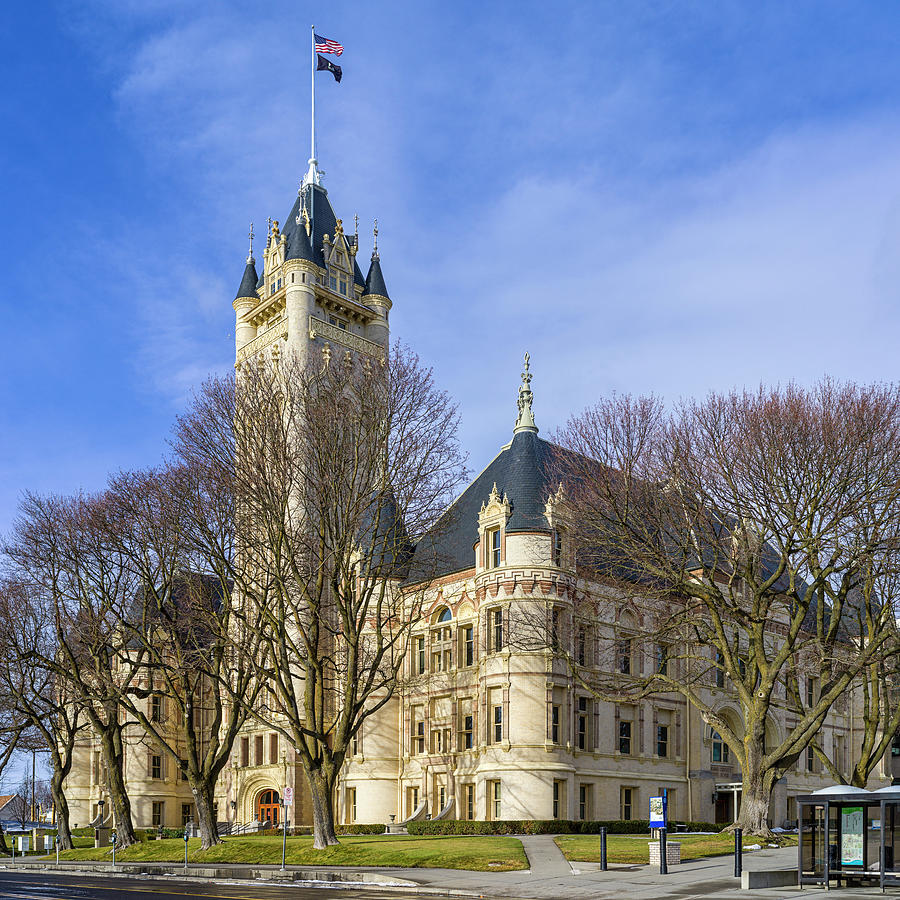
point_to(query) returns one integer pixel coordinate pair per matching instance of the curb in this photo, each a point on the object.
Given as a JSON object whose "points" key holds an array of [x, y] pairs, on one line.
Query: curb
{"points": [[249, 875]]}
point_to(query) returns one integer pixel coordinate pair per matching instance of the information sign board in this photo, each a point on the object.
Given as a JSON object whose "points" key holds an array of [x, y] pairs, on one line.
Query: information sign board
{"points": [[658, 812], [852, 836]]}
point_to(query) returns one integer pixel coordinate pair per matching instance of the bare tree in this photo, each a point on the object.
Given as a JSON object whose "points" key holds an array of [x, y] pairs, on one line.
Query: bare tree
{"points": [[337, 471], [38, 695], [61, 551], [745, 536], [198, 664]]}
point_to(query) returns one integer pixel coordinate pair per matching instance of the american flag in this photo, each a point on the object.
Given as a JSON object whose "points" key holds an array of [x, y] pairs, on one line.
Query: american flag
{"points": [[325, 45]]}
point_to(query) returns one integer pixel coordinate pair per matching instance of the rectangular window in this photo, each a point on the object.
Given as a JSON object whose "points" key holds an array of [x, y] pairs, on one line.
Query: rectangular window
{"points": [[258, 750], [420, 655], [156, 708], [559, 788], [494, 547], [245, 751], [810, 759], [187, 814], [465, 733], [627, 804], [156, 766], [720, 752], [412, 801], [624, 657], [182, 765], [470, 801], [420, 737], [720, 669], [351, 805], [158, 818], [496, 618], [584, 802], [662, 659], [442, 798], [273, 749], [625, 737], [332, 282], [810, 691], [581, 647], [557, 548], [494, 805], [498, 724], [554, 724], [343, 287], [581, 724], [662, 740], [554, 629], [468, 633]]}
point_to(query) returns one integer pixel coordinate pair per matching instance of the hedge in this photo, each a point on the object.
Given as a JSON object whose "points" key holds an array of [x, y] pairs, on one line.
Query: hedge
{"points": [[547, 826]]}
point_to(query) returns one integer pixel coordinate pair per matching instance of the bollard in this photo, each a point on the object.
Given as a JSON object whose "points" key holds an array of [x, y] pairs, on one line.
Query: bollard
{"points": [[663, 862], [738, 849], [603, 865]]}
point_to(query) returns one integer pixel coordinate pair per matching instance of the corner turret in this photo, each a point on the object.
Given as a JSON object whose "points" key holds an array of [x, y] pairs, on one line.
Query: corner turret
{"points": [[247, 297], [375, 294]]}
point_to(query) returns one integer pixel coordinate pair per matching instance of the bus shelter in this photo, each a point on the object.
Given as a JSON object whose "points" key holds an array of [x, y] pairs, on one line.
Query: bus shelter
{"points": [[849, 835]]}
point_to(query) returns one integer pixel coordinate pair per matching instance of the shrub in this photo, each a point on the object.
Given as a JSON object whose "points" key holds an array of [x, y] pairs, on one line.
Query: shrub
{"points": [[530, 826], [360, 829]]}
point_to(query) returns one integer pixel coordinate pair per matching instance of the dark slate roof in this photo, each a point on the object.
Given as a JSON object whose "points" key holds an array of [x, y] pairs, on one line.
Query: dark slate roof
{"points": [[384, 539], [523, 472], [375, 280], [249, 282], [299, 246]]}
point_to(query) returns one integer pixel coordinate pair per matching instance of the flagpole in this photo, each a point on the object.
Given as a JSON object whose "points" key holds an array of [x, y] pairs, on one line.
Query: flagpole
{"points": [[312, 118]]}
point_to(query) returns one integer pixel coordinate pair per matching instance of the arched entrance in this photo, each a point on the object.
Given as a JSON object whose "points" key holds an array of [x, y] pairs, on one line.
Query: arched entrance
{"points": [[267, 805]]}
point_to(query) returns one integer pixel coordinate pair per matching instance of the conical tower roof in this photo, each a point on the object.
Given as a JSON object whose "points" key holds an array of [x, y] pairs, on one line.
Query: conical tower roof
{"points": [[249, 281], [375, 280]]}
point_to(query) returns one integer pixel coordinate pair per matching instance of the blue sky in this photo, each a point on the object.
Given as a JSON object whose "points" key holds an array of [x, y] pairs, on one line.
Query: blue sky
{"points": [[667, 197]]}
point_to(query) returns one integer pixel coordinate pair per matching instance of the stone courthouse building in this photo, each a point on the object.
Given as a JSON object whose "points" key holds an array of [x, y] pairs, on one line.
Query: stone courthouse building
{"points": [[482, 729]]}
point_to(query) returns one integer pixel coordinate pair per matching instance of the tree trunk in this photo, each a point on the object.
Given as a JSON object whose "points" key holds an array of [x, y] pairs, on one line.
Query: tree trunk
{"points": [[64, 834], [118, 795], [206, 817], [756, 795], [321, 790]]}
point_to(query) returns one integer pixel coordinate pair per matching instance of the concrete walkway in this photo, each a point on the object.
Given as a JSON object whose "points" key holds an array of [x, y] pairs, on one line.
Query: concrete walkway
{"points": [[552, 877]]}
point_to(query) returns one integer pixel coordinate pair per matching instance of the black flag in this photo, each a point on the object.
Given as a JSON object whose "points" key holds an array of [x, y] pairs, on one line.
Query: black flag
{"points": [[328, 66]]}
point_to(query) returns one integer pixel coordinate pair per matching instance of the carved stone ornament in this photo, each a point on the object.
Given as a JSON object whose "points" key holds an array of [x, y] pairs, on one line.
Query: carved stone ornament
{"points": [[495, 509], [557, 508]]}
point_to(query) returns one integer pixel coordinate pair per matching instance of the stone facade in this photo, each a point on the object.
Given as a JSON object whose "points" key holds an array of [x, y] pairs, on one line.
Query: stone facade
{"points": [[482, 728]]}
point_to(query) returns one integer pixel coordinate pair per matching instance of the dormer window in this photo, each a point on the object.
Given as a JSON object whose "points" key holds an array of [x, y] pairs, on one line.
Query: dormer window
{"points": [[339, 258], [494, 547], [338, 323], [332, 282], [343, 286]]}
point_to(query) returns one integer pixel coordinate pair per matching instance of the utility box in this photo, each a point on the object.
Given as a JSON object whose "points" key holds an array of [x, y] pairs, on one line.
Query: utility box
{"points": [[101, 836], [23, 842], [37, 838]]}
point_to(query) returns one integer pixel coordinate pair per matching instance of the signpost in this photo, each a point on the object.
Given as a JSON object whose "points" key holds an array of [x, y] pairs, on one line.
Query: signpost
{"points": [[288, 799], [659, 809], [185, 847]]}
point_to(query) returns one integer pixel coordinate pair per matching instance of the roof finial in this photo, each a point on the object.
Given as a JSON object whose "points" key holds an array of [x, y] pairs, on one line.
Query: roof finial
{"points": [[525, 422], [250, 254], [375, 240]]}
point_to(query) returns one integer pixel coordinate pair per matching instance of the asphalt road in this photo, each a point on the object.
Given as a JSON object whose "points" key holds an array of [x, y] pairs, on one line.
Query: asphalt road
{"points": [[40, 886]]}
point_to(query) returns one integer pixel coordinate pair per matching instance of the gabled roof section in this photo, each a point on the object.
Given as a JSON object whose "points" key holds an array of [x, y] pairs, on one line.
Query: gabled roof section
{"points": [[249, 281], [523, 472], [322, 222]]}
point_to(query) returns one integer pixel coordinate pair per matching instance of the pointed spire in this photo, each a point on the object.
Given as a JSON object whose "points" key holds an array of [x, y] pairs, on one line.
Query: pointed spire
{"points": [[248, 282], [250, 258], [525, 422], [375, 280]]}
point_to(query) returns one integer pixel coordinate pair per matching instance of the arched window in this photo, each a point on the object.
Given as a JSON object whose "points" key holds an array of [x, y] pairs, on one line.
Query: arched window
{"points": [[720, 751], [445, 615]]}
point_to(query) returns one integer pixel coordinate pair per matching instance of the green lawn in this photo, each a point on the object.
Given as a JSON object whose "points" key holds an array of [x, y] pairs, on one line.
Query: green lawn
{"points": [[483, 854], [631, 848]]}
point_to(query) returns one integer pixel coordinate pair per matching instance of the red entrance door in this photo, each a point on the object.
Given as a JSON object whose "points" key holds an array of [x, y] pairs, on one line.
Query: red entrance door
{"points": [[267, 807]]}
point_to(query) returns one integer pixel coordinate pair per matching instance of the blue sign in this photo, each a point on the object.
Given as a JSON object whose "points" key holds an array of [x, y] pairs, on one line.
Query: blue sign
{"points": [[659, 812]]}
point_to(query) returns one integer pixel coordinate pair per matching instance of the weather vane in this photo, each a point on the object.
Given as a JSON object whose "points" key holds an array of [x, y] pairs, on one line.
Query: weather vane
{"points": [[375, 238], [250, 256]]}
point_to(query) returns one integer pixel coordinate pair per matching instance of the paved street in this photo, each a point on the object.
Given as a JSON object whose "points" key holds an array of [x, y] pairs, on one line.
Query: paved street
{"points": [[41, 886]]}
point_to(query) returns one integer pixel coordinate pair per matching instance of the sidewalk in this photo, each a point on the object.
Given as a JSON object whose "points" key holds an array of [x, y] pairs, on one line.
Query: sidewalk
{"points": [[550, 877]]}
